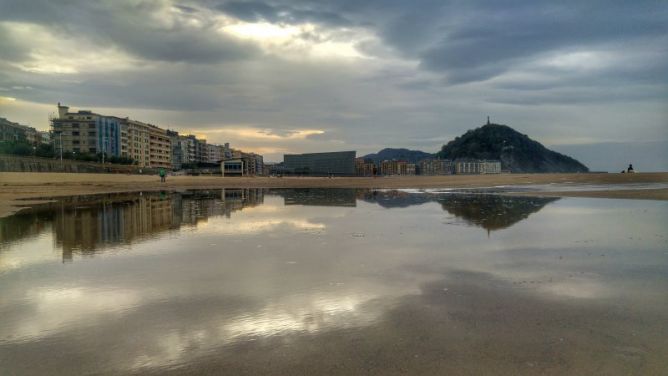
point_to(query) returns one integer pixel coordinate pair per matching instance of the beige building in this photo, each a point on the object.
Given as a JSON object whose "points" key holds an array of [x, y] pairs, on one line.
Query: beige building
{"points": [[91, 133], [77, 132], [214, 153], [436, 167], [147, 144], [364, 168], [396, 168]]}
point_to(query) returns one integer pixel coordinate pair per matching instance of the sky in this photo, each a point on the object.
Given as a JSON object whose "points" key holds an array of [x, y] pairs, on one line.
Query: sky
{"points": [[289, 76]]}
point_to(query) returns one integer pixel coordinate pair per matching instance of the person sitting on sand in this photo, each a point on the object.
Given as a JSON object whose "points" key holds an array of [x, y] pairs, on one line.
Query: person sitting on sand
{"points": [[162, 175], [630, 169]]}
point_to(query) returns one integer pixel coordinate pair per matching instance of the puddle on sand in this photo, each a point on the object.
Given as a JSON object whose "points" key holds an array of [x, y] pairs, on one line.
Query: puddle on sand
{"points": [[334, 281]]}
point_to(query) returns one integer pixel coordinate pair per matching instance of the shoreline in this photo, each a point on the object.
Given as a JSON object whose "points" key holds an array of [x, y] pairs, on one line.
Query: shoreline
{"points": [[19, 190]]}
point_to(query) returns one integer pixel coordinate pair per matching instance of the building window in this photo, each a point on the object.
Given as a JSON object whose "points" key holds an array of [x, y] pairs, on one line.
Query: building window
{"points": [[75, 133]]}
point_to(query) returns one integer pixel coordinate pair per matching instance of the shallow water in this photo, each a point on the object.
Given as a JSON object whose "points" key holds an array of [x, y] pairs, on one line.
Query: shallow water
{"points": [[252, 281]]}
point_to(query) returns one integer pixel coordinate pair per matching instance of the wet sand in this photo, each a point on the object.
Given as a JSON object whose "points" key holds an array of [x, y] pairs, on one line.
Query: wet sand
{"points": [[335, 282], [16, 188]]}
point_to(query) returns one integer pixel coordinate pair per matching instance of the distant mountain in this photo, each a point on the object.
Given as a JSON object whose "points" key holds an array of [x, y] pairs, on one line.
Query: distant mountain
{"points": [[516, 151], [412, 156]]}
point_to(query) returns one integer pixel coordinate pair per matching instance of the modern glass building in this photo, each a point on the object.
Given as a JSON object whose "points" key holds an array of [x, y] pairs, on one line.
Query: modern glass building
{"points": [[108, 132], [341, 163]]}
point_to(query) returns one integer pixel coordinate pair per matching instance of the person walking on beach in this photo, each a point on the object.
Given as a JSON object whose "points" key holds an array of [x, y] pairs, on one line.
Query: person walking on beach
{"points": [[162, 175]]}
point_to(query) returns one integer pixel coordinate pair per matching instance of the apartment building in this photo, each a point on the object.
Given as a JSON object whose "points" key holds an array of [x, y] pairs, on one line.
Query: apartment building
{"points": [[436, 167], [89, 132], [257, 163], [149, 145], [214, 153], [396, 168], [364, 167], [189, 150], [12, 132], [177, 151], [477, 167]]}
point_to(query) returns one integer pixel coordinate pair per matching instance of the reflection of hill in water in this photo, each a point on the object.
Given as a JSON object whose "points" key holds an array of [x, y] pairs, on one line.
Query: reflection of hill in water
{"points": [[394, 199], [491, 212], [89, 224]]}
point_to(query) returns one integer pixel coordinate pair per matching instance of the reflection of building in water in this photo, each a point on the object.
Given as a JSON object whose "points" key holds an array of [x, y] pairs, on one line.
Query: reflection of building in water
{"points": [[197, 206], [22, 226], [84, 229], [237, 199], [318, 196], [88, 224]]}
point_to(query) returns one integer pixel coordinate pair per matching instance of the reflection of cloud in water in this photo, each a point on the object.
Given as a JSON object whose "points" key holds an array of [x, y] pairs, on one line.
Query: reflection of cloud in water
{"points": [[580, 287], [315, 315], [254, 226], [58, 309], [411, 294], [478, 323]]}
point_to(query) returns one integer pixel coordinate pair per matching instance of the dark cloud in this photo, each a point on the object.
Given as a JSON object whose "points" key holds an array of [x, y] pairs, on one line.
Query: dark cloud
{"points": [[434, 69], [253, 11], [499, 41], [12, 50], [141, 29], [478, 40]]}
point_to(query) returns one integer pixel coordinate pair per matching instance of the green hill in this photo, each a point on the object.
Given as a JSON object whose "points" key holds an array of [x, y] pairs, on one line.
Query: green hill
{"points": [[516, 151]]}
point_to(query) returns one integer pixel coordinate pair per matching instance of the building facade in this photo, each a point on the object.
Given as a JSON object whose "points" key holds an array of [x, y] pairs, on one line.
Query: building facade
{"points": [[436, 167], [214, 153], [77, 132], [340, 163], [177, 151], [477, 167], [14, 132], [365, 167], [88, 132], [395, 167], [146, 144], [248, 164]]}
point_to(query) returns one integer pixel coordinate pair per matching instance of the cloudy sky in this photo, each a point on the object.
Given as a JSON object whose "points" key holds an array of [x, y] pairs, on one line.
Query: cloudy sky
{"points": [[276, 76]]}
